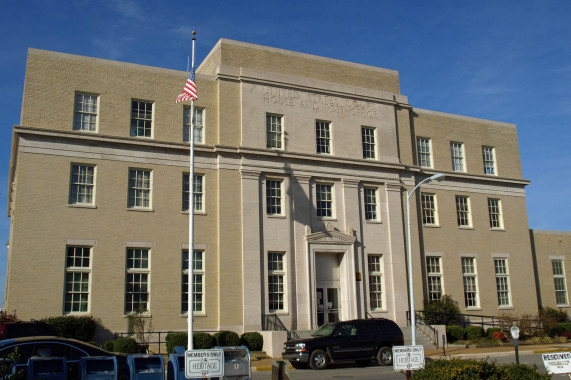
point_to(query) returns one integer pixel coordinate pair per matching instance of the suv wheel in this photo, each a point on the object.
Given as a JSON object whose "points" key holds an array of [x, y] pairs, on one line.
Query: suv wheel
{"points": [[385, 356], [318, 359]]}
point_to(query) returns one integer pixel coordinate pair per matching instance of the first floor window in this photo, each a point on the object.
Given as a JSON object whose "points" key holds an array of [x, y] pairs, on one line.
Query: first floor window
{"points": [[324, 195], [370, 203], [323, 137], [198, 125], [197, 282], [368, 141], [274, 131], [137, 280], [273, 197], [423, 152], [470, 282], [198, 199], [77, 271], [463, 211], [489, 160], [375, 267], [495, 211], [81, 184], [141, 118], [85, 112], [502, 281], [139, 188], [276, 281], [434, 274], [559, 282], [429, 215]]}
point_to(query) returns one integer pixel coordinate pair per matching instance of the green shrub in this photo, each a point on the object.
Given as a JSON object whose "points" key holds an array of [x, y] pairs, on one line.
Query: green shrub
{"points": [[125, 345], [454, 333], [558, 315], [474, 332], [227, 338], [69, 326], [176, 339], [492, 330], [203, 341], [253, 340], [108, 345], [444, 311], [476, 369]]}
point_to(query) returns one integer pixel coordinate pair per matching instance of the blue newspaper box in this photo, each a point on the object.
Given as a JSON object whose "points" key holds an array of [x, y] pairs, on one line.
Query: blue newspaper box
{"points": [[98, 368], [47, 368], [175, 365], [236, 363], [146, 367]]}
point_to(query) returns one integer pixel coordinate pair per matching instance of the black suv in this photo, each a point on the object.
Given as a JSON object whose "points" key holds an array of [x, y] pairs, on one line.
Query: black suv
{"points": [[360, 340]]}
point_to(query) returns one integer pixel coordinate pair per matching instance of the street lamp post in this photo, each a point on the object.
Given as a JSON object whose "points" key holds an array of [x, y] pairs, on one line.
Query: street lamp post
{"points": [[436, 177]]}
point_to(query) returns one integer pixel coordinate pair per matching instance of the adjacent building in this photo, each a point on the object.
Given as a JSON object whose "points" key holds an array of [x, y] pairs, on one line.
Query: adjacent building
{"points": [[302, 167]]}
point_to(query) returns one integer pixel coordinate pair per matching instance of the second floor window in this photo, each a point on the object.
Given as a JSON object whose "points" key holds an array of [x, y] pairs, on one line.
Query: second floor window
{"points": [[495, 211], [198, 125], [141, 118], [423, 152], [370, 203], [274, 131], [273, 197], [429, 214], [323, 137], [198, 198], [85, 115], [463, 211], [81, 184], [139, 188], [324, 195], [368, 141]]}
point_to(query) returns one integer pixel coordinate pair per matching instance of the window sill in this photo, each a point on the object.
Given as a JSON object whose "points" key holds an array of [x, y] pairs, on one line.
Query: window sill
{"points": [[505, 308], [195, 213], [498, 229], [473, 308], [140, 209], [374, 221], [196, 314], [465, 228], [431, 225], [276, 216], [79, 205], [563, 305], [327, 218], [282, 313], [142, 315]]}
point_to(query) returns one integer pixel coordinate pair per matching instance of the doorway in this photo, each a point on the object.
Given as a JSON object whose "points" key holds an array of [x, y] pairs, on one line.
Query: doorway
{"points": [[327, 287]]}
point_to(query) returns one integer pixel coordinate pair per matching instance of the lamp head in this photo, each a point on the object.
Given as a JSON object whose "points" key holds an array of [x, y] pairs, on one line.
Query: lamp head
{"points": [[438, 177]]}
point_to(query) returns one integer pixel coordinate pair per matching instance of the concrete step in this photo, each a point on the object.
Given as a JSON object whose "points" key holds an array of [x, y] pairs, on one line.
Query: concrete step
{"points": [[421, 339]]}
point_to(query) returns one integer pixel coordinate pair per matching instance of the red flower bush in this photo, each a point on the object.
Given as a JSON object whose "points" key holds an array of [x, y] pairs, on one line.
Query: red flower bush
{"points": [[498, 335]]}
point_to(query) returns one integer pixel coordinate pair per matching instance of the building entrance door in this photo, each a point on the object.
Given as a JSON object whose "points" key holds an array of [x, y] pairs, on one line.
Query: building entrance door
{"points": [[327, 305], [327, 287]]}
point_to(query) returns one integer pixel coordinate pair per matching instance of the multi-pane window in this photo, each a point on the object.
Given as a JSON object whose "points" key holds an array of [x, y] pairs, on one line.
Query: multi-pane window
{"points": [[502, 281], [274, 131], [81, 184], [495, 211], [198, 198], [470, 282], [137, 280], [429, 212], [368, 140], [371, 206], [375, 266], [323, 137], [141, 118], [198, 125], [463, 211], [457, 154], [324, 195], [77, 270], [489, 160], [273, 197], [197, 282], [276, 281], [434, 277], [559, 282], [85, 115], [139, 188], [423, 151]]}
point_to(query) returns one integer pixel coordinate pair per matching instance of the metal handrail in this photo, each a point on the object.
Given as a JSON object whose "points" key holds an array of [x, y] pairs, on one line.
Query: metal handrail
{"points": [[271, 322]]}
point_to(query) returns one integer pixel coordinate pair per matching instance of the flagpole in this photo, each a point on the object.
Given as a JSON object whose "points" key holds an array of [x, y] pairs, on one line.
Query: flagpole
{"points": [[191, 217]]}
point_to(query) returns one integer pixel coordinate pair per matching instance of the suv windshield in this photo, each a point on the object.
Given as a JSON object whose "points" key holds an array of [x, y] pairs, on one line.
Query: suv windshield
{"points": [[325, 330]]}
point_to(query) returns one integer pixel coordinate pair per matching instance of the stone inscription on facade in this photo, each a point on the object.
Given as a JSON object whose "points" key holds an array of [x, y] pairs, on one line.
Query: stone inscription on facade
{"points": [[315, 102]]}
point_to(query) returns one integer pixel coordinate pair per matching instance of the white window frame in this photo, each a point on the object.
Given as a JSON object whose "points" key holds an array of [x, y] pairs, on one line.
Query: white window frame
{"points": [[368, 142], [501, 270], [140, 189], [429, 209], [142, 118], [375, 269], [457, 155], [199, 198], [463, 212], [470, 281], [324, 198], [199, 129], [371, 203], [77, 274], [434, 278], [137, 266], [274, 131], [86, 112], [423, 150], [560, 282], [495, 213], [277, 282], [489, 159], [198, 277], [82, 184], [323, 137], [274, 197]]}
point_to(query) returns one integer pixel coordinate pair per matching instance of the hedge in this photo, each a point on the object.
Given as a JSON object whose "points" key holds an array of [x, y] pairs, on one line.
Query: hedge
{"points": [[80, 328], [227, 338], [253, 340], [474, 332], [125, 346], [477, 369], [492, 330], [454, 333], [203, 341]]}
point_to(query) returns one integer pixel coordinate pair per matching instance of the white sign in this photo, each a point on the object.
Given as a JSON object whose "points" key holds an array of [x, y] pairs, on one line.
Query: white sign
{"points": [[557, 362], [204, 363], [408, 358]]}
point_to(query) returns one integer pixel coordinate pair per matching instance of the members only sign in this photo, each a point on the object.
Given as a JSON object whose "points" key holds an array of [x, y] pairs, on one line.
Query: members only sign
{"points": [[204, 363], [408, 358], [557, 362]]}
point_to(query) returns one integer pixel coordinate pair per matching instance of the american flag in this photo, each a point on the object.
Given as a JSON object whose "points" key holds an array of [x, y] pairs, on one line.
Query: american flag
{"points": [[189, 92]]}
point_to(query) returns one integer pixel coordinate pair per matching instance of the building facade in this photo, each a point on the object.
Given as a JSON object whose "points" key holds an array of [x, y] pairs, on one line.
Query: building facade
{"points": [[302, 167]]}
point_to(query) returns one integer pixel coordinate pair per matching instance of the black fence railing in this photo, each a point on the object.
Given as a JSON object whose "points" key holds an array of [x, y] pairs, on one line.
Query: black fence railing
{"points": [[485, 321], [271, 322], [152, 342]]}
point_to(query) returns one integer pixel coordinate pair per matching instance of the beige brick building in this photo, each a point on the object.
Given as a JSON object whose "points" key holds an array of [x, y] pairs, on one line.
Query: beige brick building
{"points": [[301, 173]]}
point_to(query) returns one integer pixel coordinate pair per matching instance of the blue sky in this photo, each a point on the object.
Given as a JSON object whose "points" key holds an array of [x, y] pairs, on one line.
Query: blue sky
{"points": [[507, 61]]}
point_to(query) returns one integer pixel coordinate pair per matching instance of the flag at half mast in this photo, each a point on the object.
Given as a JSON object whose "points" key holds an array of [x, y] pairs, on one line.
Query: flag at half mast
{"points": [[189, 91]]}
